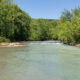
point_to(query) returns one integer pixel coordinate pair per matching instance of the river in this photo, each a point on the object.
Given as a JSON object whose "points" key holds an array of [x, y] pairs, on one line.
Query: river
{"points": [[45, 60]]}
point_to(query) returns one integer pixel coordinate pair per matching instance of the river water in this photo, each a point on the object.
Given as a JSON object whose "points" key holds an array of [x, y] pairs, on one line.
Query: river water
{"points": [[40, 61]]}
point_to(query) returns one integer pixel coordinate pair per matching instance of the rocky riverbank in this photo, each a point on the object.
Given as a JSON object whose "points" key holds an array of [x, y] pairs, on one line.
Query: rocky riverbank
{"points": [[13, 44], [72, 44], [77, 45]]}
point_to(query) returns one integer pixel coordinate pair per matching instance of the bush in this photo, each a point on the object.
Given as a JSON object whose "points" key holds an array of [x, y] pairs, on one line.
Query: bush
{"points": [[3, 39]]}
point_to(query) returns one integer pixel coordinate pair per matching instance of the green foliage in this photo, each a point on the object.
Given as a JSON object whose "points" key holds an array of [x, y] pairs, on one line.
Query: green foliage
{"points": [[3, 39], [69, 29], [42, 29], [35, 31], [14, 23], [17, 25], [65, 32], [66, 16]]}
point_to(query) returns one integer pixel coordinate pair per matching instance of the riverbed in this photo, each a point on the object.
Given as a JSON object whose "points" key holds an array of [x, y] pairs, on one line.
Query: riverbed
{"points": [[47, 60]]}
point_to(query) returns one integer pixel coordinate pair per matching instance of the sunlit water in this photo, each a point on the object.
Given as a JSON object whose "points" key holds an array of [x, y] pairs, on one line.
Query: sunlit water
{"points": [[40, 61]]}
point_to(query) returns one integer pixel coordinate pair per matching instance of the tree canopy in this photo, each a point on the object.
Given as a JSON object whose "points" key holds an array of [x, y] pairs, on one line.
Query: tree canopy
{"points": [[17, 25]]}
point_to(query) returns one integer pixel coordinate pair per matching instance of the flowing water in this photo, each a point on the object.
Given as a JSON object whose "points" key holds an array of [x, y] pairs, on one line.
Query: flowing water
{"points": [[40, 61]]}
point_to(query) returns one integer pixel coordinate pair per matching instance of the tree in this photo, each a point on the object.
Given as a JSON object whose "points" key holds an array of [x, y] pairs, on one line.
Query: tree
{"points": [[66, 16], [14, 23]]}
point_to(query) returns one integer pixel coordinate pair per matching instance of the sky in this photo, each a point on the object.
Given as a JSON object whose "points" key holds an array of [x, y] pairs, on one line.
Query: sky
{"points": [[47, 9]]}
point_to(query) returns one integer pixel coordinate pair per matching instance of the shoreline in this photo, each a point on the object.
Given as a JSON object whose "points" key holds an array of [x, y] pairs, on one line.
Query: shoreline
{"points": [[73, 44], [77, 45], [21, 44], [12, 44]]}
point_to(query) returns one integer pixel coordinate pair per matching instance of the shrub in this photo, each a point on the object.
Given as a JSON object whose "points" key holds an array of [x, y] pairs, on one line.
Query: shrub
{"points": [[3, 39]]}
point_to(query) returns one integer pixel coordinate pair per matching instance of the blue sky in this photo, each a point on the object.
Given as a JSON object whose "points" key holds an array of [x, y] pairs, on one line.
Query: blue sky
{"points": [[48, 9]]}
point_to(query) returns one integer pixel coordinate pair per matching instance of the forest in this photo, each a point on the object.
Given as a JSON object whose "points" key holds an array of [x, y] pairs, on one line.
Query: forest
{"points": [[17, 25]]}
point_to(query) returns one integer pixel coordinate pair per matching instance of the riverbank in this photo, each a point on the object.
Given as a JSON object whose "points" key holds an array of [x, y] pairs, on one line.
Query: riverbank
{"points": [[12, 44], [72, 44], [21, 44], [77, 45]]}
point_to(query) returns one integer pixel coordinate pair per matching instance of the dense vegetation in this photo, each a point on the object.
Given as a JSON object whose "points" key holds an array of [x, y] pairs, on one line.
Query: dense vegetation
{"points": [[16, 25], [69, 26], [42, 29]]}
